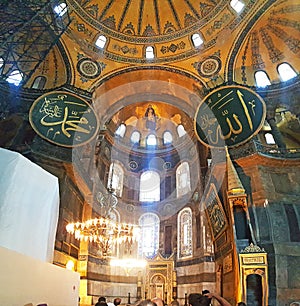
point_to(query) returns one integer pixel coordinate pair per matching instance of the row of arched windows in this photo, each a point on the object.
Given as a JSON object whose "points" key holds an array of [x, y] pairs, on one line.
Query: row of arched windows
{"points": [[285, 72], [150, 182], [151, 139], [196, 38], [149, 224]]}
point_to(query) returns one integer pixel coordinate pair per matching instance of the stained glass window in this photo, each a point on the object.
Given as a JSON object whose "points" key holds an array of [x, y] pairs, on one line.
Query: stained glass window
{"points": [[183, 180], [185, 233], [149, 242], [150, 186], [115, 178]]}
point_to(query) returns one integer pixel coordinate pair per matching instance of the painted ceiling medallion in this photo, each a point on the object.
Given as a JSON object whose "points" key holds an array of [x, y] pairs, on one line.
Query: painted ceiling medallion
{"points": [[209, 67], [88, 68]]}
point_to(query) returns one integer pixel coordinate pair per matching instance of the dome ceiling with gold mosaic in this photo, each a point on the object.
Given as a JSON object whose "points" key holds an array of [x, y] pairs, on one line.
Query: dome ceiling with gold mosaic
{"points": [[233, 45]]}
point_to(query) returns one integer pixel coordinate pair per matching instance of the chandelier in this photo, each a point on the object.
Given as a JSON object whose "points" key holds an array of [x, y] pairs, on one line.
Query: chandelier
{"points": [[105, 232]]}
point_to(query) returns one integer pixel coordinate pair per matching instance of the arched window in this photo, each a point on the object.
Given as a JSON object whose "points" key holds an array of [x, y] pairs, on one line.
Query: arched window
{"points": [[149, 186], [61, 9], [237, 5], [183, 179], [149, 242], [261, 79], [39, 82], [116, 178], [101, 41], [135, 137], [197, 40], [269, 138], [121, 130], [286, 72], [149, 52], [180, 130], [15, 77], [151, 140], [185, 247], [167, 137]]}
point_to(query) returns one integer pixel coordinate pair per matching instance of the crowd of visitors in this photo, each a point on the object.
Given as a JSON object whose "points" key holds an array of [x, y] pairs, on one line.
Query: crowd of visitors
{"points": [[206, 298]]}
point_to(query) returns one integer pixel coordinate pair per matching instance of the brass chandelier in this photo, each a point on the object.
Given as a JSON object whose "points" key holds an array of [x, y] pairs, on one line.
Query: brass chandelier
{"points": [[104, 232]]}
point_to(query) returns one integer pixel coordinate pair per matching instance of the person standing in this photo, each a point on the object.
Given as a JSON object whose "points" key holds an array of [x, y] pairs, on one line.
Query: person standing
{"points": [[158, 301], [117, 301], [101, 301], [221, 300]]}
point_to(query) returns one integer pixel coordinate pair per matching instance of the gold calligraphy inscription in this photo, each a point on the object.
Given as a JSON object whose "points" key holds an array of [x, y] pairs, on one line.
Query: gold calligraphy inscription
{"points": [[229, 116], [215, 212], [64, 119], [253, 260]]}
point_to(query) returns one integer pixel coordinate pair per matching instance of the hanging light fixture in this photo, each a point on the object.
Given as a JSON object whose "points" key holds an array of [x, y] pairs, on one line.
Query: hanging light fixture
{"points": [[109, 199], [105, 233]]}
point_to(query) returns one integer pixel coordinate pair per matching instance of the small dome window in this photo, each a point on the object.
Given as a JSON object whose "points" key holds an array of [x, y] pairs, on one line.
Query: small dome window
{"points": [[61, 9], [15, 77], [269, 138], [39, 82], [101, 41], [167, 138], [286, 72], [135, 137], [237, 5], [121, 130], [149, 52], [180, 130], [151, 140], [261, 79], [197, 40]]}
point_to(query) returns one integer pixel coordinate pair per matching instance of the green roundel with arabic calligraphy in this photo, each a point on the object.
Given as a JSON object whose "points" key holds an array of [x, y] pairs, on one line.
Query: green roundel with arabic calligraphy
{"points": [[63, 118], [229, 116]]}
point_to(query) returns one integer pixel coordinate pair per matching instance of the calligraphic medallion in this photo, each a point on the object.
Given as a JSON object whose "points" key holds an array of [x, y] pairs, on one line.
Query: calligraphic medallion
{"points": [[229, 116], [63, 118]]}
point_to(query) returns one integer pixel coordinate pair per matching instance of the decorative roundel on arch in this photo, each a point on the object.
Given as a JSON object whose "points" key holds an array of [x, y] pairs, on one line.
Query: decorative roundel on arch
{"points": [[133, 165], [167, 165], [88, 68], [209, 66]]}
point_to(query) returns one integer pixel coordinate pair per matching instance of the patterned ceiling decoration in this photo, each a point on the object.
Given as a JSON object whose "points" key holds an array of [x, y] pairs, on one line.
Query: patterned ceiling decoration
{"points": [[142, 18], [272, 37]]}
